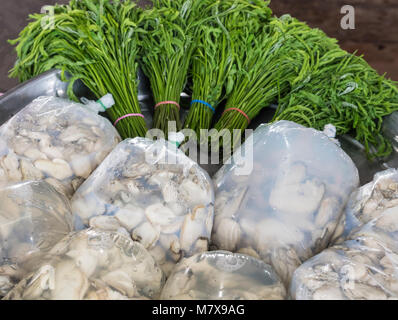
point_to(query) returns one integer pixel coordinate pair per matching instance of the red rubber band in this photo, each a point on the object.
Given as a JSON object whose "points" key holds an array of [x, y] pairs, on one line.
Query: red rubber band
{"points": [[168, 102], [128, 115], [240, 111]]}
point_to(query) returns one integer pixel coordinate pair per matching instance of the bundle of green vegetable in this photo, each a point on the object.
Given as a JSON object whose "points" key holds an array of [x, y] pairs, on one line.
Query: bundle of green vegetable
{"points": [[96, 41], [268, 65], [167, 49], [213, 57], [345, 91]]}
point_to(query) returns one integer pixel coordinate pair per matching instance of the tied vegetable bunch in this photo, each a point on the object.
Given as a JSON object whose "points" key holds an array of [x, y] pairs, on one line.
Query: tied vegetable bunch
{"points": [[212, 61], [345, 91], [267, 65], [167, 45], [95, 41]]}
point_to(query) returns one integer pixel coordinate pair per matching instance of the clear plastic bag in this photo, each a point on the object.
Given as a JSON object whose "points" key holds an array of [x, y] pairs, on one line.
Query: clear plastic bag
{"points": [[93, 265], [154, 191], [33, 218], [222, 275], [286, 210], [362, 268], [55, 140], [368, 202]]}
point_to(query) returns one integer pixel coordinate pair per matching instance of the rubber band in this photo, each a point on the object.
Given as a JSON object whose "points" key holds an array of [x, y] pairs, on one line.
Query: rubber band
{"points": [[204, 103], [127, 116], [102, 104], [240, 111], [176, 143], [168, 102]]}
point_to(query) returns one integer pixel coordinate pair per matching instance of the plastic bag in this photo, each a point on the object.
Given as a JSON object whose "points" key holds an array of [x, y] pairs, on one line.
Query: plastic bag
{"points": [[93, 265], [286, 210], [33, 218], [55, 140], [368, 202], [153, 190], [222, 275], [362, 268]]}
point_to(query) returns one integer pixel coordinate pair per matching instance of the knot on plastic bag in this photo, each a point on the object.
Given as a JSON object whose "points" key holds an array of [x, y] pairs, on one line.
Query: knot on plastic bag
{"points": [[176, 138], [330, 131], [101, 105]]}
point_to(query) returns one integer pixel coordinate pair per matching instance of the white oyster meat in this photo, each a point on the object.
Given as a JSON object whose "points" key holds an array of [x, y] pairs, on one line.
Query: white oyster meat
{"points": [[93, 265], [222, 275], [286, 209], [33, 218], [364, 267], [368, 203], [55, 140], [153, 191]]}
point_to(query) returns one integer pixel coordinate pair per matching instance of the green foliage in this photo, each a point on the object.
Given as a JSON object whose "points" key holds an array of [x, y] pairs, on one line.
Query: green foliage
{"points": [[268, 64], [232, 50], [342, 89], [216, 45], [96, 41], [167, 46]]}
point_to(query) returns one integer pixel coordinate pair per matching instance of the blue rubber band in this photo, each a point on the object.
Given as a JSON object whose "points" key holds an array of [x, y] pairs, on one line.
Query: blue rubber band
{"points": [[204, 103]]}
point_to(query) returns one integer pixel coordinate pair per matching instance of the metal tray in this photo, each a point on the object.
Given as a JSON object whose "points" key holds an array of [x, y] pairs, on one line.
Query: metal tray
{"points": [[50, 84]]}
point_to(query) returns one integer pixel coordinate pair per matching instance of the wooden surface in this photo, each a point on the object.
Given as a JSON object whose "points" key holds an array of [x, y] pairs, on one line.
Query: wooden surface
{"points": [[375, 36]]}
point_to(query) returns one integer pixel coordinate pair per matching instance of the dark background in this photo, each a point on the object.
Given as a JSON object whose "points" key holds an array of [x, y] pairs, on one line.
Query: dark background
{"points": [[375, 36]]}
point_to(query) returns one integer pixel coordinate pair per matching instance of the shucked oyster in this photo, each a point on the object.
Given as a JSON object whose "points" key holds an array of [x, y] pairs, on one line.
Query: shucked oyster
{"points": [[93, 265], [54, 140], [222, 275], [364, 267], [350, 271], [368, 203], [287, 209], [156, 193], [33, 218]]}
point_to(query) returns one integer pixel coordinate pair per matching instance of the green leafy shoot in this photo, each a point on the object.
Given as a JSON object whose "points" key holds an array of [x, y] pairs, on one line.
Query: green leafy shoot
{"points": [[95, 41], [167, 49], [212, 61], [345, 91], [268, 65]]}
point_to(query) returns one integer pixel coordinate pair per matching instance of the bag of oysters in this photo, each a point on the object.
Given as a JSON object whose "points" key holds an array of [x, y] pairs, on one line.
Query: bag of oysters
{"points": [[368, 202], [222, 275], [33, 218], [365, 267], [93, 265], [282, 200], [56, 140], [155, 192]]}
